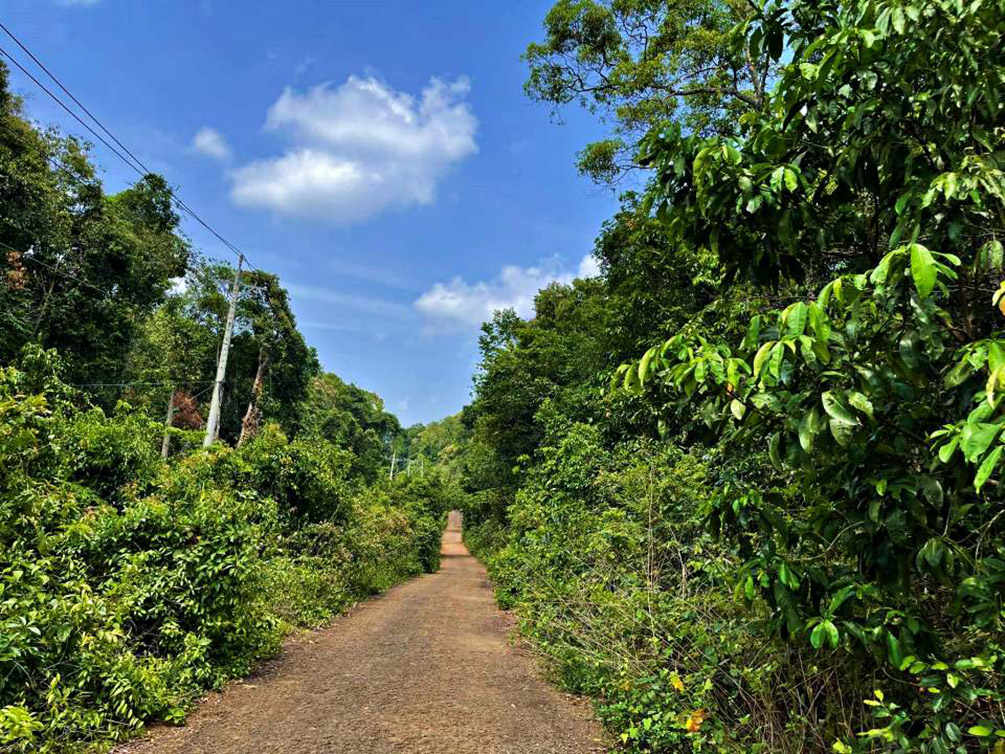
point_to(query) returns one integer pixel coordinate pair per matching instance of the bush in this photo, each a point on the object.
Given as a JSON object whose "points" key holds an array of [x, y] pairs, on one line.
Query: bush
{"points": [[607, 561], [307, 477], [129, 585], [114, 613]]}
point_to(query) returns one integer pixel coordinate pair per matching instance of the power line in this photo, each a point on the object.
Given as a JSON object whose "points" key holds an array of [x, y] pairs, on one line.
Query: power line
{"points": [[66, 107], [134, 163], [143, 384], [69, 94]]}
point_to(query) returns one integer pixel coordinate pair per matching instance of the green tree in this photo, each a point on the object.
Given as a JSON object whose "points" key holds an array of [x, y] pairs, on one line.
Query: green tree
{"points": [[81, 269], [284, 363], [442, 444], [266, 350], [877, 163], [351, 418], [654, 283], [641, 63], [555, 355]]}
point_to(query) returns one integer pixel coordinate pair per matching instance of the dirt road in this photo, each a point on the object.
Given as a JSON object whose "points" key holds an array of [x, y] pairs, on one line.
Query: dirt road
{"points": [[424, 669]]}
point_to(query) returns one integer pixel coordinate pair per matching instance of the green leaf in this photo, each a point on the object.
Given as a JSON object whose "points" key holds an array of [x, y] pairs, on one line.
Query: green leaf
{"points": [[737, 409], [630, 379], [791, 179], [976, 438], [644, 363], [825, 631], [923, 269], [859, 401], [840, 598], [988, 467], [795, 320], [932, 552], [992, 385], [776, 178], [893, 649], [808, 427], [760, 356], [843, 433], [996, 356], [824, 299], [773, 445], [832, 633], [753, 333], [980, 731], [835, 407], [817, 636], [777, 355], [898, 19]]}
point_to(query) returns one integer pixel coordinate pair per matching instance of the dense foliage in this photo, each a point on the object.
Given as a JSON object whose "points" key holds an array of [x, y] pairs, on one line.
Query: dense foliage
{"points": [[780, 528], [130, 584], [638, 63], [138, 569], [743, 488]]}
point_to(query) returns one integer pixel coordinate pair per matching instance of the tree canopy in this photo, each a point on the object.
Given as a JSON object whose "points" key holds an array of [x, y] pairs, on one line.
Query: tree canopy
{"points": [[641, 63], [817, 257]]}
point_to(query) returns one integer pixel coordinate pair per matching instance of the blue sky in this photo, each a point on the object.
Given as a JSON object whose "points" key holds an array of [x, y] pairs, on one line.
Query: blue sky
{"points": [[381, 157]]}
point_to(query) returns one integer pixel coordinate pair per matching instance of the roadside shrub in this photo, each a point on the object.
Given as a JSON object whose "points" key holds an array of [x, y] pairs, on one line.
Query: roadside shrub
{"points": [[129, 585], [306, 589], [607, 561], [110, 455], [427, 499], [307, 477], [113, 614]]}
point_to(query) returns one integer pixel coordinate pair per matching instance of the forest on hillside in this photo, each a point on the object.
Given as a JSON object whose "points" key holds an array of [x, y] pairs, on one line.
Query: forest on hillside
{"points": [[742, 489]]}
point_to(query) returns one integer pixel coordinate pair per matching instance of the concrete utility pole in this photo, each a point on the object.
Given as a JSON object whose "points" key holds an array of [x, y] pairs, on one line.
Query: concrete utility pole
{"points": [[213, 422], [166, 442], [394, 460]]}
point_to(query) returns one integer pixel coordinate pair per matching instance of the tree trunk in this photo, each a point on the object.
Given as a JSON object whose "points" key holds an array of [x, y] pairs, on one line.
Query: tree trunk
{"points": [[253, 416]]}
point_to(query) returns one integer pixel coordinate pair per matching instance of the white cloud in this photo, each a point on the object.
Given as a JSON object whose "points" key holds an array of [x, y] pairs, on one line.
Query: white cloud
{"points": [[459, 303], [359, 148], [589, 267], [211, 143]]}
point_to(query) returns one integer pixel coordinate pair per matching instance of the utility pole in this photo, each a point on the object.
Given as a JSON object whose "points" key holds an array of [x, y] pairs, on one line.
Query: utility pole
{"points": [[166, 442], [213, 422], [394, 459]]}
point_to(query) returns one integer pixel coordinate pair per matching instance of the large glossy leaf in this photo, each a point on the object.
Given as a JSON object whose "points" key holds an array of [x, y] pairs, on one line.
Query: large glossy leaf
{"points": [[923, 269], [975, 439], [837, 409], [761, 356], [808, 427], [987, 467]]}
